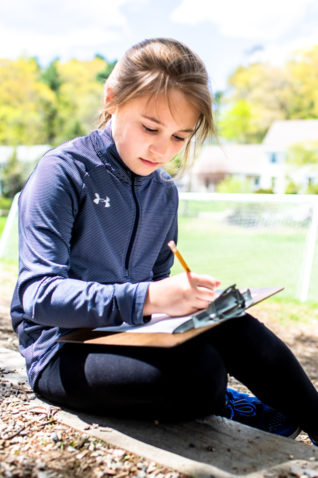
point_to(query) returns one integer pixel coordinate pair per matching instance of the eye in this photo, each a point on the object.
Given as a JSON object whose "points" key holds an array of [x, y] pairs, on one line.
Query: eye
{"points": [[149, 130], [178, 138]]}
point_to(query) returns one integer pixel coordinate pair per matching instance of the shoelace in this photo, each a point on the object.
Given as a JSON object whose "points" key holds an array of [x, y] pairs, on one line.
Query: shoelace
{"points": [[241, 407]]}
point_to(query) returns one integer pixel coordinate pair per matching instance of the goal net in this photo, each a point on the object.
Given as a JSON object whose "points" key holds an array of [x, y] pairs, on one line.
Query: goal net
{"points": [[252, 240]]}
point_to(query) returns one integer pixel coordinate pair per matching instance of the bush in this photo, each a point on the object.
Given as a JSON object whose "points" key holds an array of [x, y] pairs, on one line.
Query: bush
{"points": [[14, 175], [264, 191], [5, 204], [312, 189], [234, 185], [292, 187]]}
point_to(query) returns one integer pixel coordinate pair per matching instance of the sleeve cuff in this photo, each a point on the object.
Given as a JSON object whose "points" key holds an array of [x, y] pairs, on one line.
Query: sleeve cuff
{"points": [[131, 300]]}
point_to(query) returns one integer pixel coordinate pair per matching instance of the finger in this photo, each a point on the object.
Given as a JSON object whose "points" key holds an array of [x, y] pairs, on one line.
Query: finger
{"points": [[203, 291], [205, 294], [203, 280], [202, 304]]}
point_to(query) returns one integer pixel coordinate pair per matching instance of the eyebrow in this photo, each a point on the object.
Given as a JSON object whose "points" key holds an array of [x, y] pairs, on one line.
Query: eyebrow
{"points": [[155, 120]]}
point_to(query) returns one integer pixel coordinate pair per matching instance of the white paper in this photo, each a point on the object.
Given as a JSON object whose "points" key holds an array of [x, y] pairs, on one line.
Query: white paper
{"points": [[159, 323]]}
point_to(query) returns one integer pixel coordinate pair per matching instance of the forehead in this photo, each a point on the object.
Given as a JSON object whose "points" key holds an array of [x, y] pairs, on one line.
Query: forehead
{"points": [[174, 107]]}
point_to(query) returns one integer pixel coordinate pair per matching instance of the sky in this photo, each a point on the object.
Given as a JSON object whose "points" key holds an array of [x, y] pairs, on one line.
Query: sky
{"points": [[225, 33]]}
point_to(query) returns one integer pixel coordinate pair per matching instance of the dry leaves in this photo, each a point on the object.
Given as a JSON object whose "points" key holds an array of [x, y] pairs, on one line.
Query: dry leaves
{"points": [[34, 444]]}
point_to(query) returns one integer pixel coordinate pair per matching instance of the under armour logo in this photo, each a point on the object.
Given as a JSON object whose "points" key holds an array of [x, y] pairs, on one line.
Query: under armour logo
{"points": [[98, 199]]}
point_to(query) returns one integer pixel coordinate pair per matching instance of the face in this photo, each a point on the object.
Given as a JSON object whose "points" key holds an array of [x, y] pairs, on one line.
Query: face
{"points": [[149, 132]]}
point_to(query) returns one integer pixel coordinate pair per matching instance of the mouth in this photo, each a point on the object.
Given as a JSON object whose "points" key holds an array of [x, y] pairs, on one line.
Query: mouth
{"points": [[149, 163]]}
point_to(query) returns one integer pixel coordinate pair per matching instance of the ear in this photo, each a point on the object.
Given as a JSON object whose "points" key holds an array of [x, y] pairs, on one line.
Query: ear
{"points": [[108, 97]]}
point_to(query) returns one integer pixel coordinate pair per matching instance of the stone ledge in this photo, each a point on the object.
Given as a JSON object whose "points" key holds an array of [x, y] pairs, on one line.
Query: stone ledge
{"points": [[208, 447]]}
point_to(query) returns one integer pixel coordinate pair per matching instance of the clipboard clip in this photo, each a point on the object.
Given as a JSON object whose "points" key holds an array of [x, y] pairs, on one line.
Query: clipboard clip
{"points": [[230, 303]]}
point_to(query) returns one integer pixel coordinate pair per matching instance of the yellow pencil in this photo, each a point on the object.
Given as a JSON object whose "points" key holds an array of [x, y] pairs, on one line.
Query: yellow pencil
{"points": [[174, 249]]}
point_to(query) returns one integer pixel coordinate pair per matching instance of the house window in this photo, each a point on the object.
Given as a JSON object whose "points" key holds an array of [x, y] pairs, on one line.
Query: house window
{"points": [[273, 158]]}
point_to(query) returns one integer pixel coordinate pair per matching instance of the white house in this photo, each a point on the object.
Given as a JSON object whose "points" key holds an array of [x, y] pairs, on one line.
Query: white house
{"points": [[245, 161], [263, 163], [279, 138]]}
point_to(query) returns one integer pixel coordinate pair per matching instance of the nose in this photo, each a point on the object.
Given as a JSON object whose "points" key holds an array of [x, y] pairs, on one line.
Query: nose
{"points": [[159, 147]]}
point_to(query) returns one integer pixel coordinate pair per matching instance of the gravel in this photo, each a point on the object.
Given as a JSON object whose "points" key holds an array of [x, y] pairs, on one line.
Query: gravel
{"points": [[34, 444]]}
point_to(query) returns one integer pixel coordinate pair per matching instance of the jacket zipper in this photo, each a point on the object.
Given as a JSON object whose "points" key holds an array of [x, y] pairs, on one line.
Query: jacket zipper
{"points": [[134, 231]]}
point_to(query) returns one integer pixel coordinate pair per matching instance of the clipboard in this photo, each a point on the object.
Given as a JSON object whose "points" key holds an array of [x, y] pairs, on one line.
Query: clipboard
{"points": [[158, 339]]}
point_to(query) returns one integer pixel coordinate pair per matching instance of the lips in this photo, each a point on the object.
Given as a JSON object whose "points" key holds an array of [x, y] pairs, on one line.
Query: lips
{"points": [[150, 163]]}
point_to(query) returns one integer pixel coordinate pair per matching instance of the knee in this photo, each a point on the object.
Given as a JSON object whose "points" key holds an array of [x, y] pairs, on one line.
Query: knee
{"points": [[202, 384], [239, 331]]}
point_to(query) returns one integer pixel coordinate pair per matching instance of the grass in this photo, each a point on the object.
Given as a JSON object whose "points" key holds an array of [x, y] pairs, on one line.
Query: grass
{"points": [[247, 256], [289, 311]]}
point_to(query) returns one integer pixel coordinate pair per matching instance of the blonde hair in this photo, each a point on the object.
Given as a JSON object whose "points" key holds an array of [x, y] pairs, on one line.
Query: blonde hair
{"points": [[155, 66]]}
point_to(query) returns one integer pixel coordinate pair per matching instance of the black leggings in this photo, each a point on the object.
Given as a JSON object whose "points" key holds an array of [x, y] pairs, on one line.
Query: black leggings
{"points": [[182, 382]]}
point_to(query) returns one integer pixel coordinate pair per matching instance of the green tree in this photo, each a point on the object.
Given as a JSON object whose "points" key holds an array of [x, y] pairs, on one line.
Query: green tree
{"points": [[80, 97], [302, 68], [235, 123], [258, 94], [51, 76], [302, 154], [24, 99]]}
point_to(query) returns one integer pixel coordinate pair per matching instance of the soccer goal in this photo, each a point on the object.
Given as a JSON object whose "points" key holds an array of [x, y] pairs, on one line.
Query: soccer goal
{"points": [[253, 240]]}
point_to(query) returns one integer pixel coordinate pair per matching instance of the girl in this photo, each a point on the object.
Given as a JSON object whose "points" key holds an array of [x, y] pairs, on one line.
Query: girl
{"points": [[95, 219]]}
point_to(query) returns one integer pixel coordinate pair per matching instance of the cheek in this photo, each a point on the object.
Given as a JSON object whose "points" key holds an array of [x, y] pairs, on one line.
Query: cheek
{"points": [[173, 152], [178, 147], [127, 142]]}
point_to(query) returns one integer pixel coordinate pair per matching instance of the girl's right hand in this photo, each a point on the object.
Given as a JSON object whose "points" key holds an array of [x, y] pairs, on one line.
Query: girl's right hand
{"points": [[181, 294]]}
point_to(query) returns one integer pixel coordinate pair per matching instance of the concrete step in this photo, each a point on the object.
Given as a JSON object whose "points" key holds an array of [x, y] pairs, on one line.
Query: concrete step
{"points": [[210, 447]]}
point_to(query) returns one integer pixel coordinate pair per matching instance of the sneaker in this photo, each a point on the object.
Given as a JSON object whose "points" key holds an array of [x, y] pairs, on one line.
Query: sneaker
{"points": [[249, 410], [313, 441]]}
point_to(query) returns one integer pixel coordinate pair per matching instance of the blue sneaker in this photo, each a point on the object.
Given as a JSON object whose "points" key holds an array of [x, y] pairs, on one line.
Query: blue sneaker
{"points": [[249, 410]]}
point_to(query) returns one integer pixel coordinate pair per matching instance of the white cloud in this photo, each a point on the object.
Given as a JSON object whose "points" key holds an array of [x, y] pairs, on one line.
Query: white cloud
{"points": [[278, 53], [60, 27], [245, 18], [77, 43]]}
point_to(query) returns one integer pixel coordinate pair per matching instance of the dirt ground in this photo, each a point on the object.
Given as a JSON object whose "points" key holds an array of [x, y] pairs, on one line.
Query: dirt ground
{"points": [[34, 444]]}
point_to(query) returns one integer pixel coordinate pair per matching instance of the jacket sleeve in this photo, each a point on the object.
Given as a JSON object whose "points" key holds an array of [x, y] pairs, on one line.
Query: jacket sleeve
{"points": [[47, 294]]}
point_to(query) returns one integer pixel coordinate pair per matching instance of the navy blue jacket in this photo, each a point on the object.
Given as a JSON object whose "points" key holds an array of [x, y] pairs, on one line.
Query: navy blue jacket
{"points": [[92, 235]]}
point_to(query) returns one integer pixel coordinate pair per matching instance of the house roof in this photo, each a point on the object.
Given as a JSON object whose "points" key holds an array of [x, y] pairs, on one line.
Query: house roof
{"points": [[238, 158], [24, 153], [284, 133]]}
